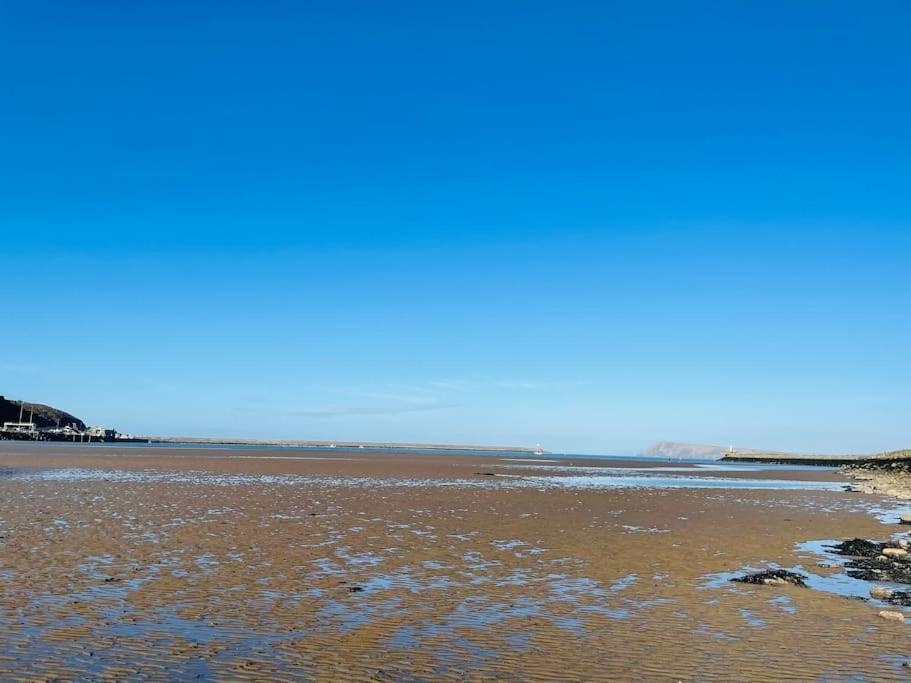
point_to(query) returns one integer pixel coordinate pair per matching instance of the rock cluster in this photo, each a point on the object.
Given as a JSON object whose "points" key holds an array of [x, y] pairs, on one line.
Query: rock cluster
{"points": [[773, 577], [872, 561], [889, 477]]}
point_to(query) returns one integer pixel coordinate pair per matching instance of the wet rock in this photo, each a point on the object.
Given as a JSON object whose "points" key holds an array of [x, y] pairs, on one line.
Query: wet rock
{"points": [[902, 598], [895, 552], [773, 577], [355, 589], [486, 474], [880, 593], [893, 572], [891, 564], [892, 616], [858, 547]]}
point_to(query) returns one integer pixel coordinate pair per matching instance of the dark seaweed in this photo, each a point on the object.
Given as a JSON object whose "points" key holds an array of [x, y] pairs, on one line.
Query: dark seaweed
{"points": [[858, 547], [869, 564], [874, 569], [773, 574], [902, 598]]}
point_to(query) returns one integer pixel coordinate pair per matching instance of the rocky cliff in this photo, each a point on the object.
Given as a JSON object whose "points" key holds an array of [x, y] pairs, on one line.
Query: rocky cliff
{"points": [[42, 415]]}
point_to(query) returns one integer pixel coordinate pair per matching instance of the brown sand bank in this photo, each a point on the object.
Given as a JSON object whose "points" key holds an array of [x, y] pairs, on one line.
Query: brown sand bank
{"points": [[173, 564]]}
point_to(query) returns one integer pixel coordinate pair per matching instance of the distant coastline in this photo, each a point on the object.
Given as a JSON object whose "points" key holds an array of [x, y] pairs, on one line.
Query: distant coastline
{"points": [[673, 449], [218, 441], [26, 421]]}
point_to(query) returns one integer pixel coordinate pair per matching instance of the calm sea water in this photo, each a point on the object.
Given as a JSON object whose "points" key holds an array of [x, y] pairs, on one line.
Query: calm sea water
{"points": [[518, 455]]}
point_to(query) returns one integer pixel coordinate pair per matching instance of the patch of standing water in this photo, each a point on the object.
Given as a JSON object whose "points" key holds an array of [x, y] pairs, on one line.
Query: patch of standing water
{"points": [[784, 603], [841, 583], [571, 590], [599, 482], [508, 545], [837, 583], [574, 482], [623, 583], [752, 619], [651, 470]]}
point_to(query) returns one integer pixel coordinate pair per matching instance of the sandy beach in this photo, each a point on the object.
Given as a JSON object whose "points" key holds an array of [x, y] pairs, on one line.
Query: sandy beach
{"points": [[185, 564], [317, 316]]}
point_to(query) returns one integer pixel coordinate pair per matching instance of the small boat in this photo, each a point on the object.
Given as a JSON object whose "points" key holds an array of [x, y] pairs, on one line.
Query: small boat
{"points": [[538, 450]]}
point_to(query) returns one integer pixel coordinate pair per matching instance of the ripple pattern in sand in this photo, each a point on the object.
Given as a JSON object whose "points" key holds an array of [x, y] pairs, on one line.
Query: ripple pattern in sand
{"points": [[122, 578]]}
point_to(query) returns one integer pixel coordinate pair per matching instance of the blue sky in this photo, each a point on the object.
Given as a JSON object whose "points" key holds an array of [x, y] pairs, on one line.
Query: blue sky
{"points": [[586, 224]]}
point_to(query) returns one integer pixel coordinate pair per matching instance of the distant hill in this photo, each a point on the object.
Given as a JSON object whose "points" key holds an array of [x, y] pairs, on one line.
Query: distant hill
{"points": [[674, 449], [42, 415]]}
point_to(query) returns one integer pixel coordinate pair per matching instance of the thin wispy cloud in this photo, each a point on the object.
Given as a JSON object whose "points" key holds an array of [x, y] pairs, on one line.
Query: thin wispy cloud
{"points": [[391, 399], [349, 411], [22, 369], [519, 384]]}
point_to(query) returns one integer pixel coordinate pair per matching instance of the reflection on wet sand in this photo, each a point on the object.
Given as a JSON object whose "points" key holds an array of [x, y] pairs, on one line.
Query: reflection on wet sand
{"points": [[126, 566]]}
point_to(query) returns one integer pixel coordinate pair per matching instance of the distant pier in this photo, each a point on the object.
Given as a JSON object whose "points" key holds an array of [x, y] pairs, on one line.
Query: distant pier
{"points": [[27, 431], [813, 458]]}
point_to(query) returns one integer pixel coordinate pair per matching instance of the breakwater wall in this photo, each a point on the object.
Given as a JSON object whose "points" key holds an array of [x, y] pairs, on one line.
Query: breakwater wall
{"points": [[817, 459]]}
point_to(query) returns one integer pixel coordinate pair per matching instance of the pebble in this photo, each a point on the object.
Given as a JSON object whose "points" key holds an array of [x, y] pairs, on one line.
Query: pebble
{"points": [[880, 593], [892, 616], [895, 552], [905, 518]]}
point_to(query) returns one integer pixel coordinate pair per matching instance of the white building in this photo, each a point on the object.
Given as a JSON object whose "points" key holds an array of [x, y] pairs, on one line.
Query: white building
{"points": [[20, 427]]}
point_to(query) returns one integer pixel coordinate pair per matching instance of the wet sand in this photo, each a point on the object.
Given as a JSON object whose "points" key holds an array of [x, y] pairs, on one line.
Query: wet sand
{"points": [[289, 565]]}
